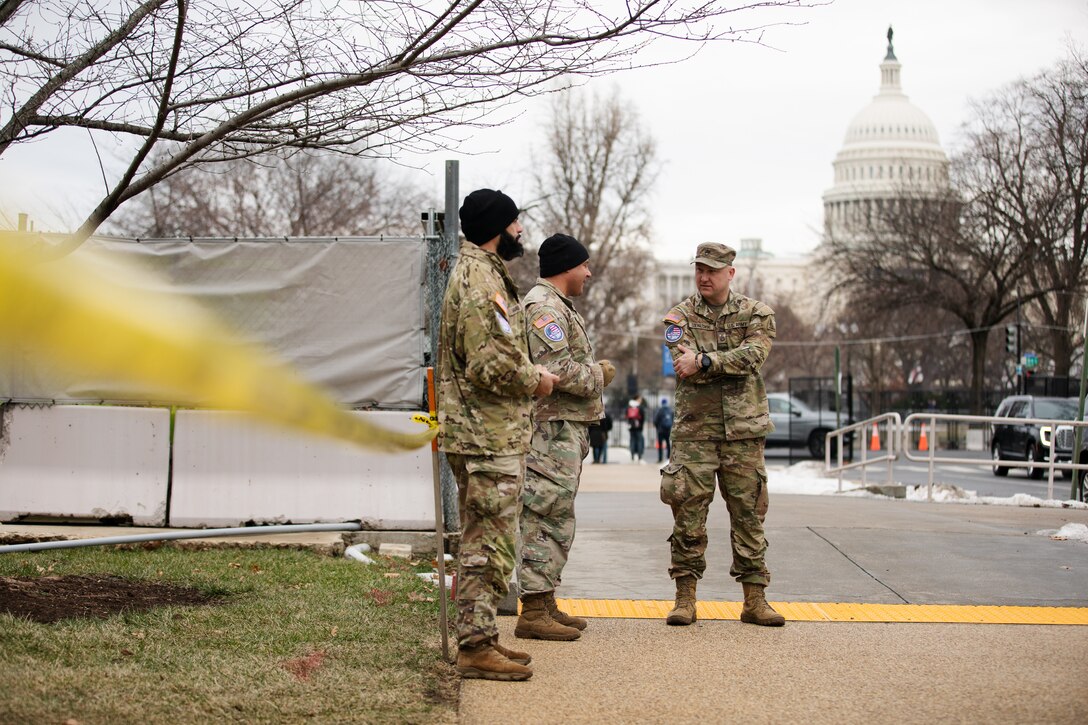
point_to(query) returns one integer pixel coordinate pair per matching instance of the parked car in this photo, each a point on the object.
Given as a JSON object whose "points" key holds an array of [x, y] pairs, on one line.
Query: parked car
{"points": [[1017, 441], [796, 424]]}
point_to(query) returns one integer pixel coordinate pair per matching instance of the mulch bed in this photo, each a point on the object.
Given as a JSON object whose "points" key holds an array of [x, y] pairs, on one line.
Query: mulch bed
{"points": [[52, 598]]}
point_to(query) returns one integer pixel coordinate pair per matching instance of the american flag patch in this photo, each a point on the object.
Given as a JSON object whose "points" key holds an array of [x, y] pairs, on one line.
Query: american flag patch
{"points": [[544, 320], [501, 302], [673, 317]]}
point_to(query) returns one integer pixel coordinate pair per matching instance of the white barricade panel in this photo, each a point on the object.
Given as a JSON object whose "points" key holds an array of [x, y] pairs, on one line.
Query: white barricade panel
{"points": [[85, 462], [231, 470]]}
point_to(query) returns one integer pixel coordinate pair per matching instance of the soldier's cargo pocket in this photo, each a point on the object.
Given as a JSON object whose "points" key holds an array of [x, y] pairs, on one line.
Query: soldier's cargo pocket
{"points": [[763, 500], [540, 495], [675, 487]]}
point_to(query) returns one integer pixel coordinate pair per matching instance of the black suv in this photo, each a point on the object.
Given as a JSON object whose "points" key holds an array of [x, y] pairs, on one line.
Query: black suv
{"points": [[1020, 441], [1063, 448]]}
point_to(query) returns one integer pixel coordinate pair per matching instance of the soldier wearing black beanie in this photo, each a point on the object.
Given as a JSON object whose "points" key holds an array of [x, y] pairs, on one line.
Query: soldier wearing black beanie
{"points": [[485, 213], [560, 252]]}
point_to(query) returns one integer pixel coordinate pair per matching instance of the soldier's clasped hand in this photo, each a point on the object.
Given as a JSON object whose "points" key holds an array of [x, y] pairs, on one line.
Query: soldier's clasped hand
{"points": [[688, 363], [546, 384]]}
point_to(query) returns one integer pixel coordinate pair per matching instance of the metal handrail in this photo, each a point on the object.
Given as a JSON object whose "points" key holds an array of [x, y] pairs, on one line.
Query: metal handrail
{"points": [[931, 418], [892, 424]]}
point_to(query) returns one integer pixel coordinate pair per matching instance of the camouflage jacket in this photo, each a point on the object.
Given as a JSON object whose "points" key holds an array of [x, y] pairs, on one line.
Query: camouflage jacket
{"points": [[728, 401], [558, 341], [485, 377]]}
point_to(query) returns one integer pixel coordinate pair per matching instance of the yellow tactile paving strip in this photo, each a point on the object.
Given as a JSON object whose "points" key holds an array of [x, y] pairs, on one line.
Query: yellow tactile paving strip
{"points": [[836, 612]]}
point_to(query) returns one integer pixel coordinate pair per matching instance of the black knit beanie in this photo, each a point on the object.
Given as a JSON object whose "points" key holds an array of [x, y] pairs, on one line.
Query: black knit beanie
{"points": [[485, 214], [560, 252]]}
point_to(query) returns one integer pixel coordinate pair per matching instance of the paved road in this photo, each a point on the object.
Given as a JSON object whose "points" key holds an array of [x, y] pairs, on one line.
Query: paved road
{"points": [[823, 549]]}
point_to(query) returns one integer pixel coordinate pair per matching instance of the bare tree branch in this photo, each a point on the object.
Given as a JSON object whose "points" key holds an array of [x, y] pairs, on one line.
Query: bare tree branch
{"points": [[362, 78]]}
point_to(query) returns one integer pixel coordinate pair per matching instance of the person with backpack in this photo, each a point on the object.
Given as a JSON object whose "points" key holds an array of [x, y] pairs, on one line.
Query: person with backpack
{"points": [[636, 420], [663, 424]]}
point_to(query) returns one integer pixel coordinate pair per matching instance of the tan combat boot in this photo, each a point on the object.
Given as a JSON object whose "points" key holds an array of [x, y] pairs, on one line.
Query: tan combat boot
{"points": [[522, 658], [684, 611], [756, 610], [487, 663], [560, 616], [536, 623]]}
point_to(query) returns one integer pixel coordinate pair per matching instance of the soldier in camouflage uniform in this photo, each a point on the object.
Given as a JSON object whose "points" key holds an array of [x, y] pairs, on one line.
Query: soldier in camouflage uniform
{"points": [[486, 384], [558, 340], [719, 340]]}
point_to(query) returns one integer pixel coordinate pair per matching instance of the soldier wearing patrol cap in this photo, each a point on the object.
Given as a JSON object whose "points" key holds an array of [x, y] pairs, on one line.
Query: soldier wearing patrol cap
{"points": [[557, 340], [719, 340], [486, 384]]}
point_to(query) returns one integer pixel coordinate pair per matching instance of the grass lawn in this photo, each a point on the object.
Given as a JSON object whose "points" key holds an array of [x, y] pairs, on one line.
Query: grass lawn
{"points": [[287, 636]]}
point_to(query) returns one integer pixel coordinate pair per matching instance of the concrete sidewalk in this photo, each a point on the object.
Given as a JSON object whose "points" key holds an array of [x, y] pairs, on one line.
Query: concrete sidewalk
{"points": [[822, 549]]}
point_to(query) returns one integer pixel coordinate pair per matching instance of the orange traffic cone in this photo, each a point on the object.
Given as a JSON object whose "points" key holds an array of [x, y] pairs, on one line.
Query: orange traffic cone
{"points": [[874, 442], [923, 442]]}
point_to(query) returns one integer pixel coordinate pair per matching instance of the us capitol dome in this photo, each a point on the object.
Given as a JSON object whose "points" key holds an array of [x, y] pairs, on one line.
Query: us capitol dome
{"points": [[891, 146]]}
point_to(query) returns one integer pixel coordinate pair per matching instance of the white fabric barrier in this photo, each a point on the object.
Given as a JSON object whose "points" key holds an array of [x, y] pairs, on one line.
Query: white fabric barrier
{"points": [[231, 470], [84, 462]]}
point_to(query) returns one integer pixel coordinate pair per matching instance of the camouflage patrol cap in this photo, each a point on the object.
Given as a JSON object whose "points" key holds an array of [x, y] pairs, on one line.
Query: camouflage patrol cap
{"points": [[714, 255]]}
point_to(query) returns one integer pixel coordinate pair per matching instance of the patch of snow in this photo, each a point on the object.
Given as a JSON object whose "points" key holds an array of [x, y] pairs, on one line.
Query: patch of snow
{"points": [[1069, 532], [808, 478]]}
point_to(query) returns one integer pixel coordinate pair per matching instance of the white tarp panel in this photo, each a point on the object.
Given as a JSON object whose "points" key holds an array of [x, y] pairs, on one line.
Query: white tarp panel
{"points": [[230, 470], [346, 313], [85, 462]]}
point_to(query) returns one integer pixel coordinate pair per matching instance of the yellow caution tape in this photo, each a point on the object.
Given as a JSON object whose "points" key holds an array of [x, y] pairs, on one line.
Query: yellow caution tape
{"points": [[77, 313], [429, 420]]}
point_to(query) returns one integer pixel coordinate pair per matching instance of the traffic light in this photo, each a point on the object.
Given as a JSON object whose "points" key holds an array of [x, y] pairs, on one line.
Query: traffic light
{"points": [[1010, 338]]}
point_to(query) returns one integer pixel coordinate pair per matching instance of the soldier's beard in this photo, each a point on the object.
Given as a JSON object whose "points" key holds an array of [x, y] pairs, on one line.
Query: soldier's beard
{"points": [[510, 247]]}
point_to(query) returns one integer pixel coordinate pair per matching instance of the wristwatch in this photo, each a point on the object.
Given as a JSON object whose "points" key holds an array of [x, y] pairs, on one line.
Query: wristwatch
{"points": [[704, 361]]}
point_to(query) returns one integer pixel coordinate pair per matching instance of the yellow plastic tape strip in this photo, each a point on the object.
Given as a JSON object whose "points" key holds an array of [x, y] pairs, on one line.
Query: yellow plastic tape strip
{"points": [[77, 313]]}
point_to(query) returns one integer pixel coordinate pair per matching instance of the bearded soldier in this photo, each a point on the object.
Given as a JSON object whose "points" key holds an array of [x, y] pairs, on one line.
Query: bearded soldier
{"points": [[558, 340], [719, 340], [486, 384]]}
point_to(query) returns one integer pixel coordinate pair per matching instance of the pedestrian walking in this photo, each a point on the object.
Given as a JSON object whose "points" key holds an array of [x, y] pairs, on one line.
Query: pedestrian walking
{"points": [[636, 421], [663, 427]]}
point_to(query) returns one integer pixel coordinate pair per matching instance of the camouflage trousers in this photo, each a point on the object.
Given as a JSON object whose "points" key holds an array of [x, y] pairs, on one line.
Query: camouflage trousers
{"points": [[687, 485], [489, 499], [552, 471]]}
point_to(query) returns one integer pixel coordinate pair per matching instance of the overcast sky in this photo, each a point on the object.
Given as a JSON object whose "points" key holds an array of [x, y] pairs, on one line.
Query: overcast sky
{"points": [[747, 133]]}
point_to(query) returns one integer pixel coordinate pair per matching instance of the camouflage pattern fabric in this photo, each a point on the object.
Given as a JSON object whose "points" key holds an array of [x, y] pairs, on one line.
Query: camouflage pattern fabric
{"points": [[557, 340], [729, 400], [489, 499], [687, 486], [547, 514], [485, 377]]}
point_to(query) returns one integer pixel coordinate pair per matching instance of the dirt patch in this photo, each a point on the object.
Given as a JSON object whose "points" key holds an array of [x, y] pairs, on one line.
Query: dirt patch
{"points": [[52, 598]]}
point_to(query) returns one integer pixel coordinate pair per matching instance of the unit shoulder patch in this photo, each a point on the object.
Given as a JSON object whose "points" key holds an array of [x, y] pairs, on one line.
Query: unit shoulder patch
{"points": [[673, 333], [554, 332]]}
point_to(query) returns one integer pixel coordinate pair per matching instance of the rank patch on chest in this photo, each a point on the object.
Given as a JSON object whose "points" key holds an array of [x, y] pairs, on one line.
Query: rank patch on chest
{"points": [[553, 332], [504, 325], [673, 333]]}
